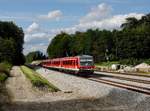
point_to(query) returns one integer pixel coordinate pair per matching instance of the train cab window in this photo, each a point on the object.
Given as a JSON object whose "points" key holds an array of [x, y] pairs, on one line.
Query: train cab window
{"points": [[86, 62]]}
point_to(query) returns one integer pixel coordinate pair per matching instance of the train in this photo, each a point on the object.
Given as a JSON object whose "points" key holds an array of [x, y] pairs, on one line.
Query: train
{"points": [[83, 64]]}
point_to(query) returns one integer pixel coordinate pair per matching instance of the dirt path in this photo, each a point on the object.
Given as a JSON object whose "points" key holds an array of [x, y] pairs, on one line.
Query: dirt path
{"points": [[19, 87]]}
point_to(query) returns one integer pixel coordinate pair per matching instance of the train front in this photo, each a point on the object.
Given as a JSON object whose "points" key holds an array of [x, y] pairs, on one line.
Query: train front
{"points": [[86, 64]]}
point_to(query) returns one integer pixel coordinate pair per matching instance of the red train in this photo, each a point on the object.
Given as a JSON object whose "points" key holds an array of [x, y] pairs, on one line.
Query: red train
{"points": [[78, 64]]}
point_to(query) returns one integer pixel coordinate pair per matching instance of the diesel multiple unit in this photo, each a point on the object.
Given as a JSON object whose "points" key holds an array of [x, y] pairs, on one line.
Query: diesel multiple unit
{"points": [[77, 64]]}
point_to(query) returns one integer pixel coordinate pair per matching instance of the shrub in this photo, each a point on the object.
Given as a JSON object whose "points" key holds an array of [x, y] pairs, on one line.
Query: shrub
{"points": [[4, 71], [131, 61], [3, 77], [147, 61], [5, 68]]}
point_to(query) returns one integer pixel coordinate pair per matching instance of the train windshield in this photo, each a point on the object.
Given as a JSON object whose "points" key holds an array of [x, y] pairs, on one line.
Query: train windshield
{"points": [[86, 62]]}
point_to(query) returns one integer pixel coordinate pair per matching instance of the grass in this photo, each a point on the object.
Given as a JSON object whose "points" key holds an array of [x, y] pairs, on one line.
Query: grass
{"points": [[4, 74], [4, 71], [37, 80], [147, 61], [108, 64], [3, 77]]}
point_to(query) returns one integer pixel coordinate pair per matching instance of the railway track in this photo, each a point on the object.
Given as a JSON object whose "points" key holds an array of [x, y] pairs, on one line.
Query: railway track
{"points": [[139, 79], [123, 85], [132, 74], [126, 85]]}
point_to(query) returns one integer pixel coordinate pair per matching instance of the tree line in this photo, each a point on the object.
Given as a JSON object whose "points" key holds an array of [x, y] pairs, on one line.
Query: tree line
{"points": [[132, 41]]}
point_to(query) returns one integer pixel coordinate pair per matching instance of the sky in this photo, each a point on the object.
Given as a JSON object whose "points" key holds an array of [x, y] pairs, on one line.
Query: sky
{"points": [[41, 20]]}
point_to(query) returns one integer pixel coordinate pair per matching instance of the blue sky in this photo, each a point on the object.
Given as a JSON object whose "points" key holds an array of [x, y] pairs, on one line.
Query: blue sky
{"points": [[41, 20]]}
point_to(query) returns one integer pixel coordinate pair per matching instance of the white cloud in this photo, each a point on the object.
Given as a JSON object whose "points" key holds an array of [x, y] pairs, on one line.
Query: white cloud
{"points": [[97, 13], [40, 47], [109, 23], [52, 15], [34, 27], [36, 36], [33, 32]]}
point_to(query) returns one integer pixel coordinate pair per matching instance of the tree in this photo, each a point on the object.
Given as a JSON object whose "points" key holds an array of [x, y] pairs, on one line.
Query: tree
{"points": [[131, 22], [11, 34], [102, 44], [35, 55], [79, 45], [59, 46], [7, 50]]}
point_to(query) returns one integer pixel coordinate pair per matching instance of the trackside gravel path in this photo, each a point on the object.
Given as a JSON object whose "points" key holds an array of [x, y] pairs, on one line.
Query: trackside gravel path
{"points": [[78, 94]]}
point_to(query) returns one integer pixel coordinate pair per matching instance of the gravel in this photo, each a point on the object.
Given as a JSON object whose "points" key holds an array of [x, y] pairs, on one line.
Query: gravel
{"points": [[142, 65], [108, 97], [80, 86], [77, 94]]}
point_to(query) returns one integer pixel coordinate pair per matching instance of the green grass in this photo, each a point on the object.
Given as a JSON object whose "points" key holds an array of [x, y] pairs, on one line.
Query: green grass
{"points": [[3, 77], [37, 80], [108, 64], [147, 61], [4, 71], [6, 65]]}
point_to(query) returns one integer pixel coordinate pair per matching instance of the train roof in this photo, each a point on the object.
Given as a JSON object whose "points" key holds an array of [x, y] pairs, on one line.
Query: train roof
{"points": [[85, 56], [79, 56], [72, 57]]}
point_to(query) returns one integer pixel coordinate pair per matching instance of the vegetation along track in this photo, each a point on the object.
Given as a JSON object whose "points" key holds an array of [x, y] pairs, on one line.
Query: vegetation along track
{"points": [[128, 86]]}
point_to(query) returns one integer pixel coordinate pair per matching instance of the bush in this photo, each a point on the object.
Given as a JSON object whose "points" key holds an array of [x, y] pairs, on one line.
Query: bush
{"points": [[147, 61], [4, 71], [131, 61], [3, 77], [5, 67], [109, 63]]}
